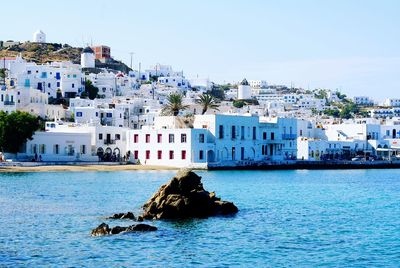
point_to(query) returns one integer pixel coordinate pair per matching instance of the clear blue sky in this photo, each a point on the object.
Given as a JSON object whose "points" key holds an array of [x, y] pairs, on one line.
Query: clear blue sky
{"points": [[353, 45]]}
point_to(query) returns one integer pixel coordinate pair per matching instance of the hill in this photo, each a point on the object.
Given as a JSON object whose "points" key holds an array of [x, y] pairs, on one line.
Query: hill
{"points": [[47, 52]]}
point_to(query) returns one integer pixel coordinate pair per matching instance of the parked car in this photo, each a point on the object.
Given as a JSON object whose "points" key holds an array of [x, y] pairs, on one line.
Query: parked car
{"points": [[357, 158]]}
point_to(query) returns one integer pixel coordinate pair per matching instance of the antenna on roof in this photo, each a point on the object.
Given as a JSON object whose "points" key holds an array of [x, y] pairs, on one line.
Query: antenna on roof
{"points": [[131, 53]]}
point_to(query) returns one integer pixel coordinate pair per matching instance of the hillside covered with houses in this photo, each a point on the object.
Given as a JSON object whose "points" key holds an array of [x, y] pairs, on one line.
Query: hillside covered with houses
{"points": [[90, 107]]}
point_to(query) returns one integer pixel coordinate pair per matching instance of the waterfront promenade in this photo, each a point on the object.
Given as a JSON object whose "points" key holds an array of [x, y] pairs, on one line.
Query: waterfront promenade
{"points": [[113, 166]]}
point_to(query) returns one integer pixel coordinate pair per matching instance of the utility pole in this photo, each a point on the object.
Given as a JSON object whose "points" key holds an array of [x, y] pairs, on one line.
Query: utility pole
{"points": [[140, 78], [131, 53]]}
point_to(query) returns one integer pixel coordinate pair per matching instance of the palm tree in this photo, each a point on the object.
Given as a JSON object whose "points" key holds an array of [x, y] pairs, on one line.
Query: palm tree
{"points": [[208, 102], [174, 104]]}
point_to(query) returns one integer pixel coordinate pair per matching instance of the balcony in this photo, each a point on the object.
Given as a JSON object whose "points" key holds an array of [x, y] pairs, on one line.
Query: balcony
{"points": [[109, 142], [9, 103], [289, 136]]}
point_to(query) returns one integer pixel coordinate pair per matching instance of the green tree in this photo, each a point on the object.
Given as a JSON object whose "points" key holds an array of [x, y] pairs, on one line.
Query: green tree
{"points": [[340, 95], [207, 102], [15, 129], [218, 92], [90, 90], [2, 76], [174, 104], [321, 94], [332, 112], [238, 103], [2, 73], [348, 111]]}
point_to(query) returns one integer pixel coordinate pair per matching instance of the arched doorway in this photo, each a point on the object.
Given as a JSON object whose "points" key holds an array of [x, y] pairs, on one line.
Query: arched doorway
{"points": [[210, 156], [116, 154], [108, 154], [100, 153]]}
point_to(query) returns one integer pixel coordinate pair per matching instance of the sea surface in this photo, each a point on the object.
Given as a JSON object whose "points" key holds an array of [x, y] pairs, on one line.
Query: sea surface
{"points": [[332, 218]]}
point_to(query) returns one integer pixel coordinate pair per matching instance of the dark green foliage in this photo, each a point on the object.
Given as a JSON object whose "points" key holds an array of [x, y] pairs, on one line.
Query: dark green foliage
{"points": [[239, 103], [153, 78], [218, 92], [225, 87], [321, 93], [90, 90], [15, 129], [340, 95], [332, 112], [346, 111]]}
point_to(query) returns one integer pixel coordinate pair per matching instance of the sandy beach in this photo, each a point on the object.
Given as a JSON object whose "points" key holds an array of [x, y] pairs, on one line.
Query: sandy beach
{"points": [[56, 168]]}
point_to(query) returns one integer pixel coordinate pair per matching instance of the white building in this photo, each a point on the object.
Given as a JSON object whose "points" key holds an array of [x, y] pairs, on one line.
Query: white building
{"points": [[8, 101], [385, 112], [106, 82], [316, 150], [213, 140], [173, 81], [363, 101], [311, 103], [39, 37], [75, 142], [258, 83], [244, 90], [56, 78], [87, 58], [278, 138], [160, 70], [392, 102]]}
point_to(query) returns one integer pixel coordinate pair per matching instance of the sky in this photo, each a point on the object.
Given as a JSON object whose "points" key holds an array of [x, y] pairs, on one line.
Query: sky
{"points": [[350, 45]]}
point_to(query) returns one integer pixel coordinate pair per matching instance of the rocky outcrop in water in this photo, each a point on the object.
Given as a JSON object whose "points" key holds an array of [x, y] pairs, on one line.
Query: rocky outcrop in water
{"points": [[104, 229], [121, 216], [184, 197]]}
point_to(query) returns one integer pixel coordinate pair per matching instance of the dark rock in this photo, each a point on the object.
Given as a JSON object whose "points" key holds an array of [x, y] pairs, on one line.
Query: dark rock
{"points": [[225, 208], [140, 218], [118, 229], [141, 228], [102, 229], [128, 215], [184, 197]]}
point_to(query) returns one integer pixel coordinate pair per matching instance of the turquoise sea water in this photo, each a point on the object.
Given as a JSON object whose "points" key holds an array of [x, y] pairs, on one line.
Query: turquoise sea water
{"points": [[348, 218]]}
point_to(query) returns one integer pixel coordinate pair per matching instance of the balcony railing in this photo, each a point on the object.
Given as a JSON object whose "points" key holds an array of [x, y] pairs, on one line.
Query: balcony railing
{"points": [[289, 136], [9, 103], [108, 142]]}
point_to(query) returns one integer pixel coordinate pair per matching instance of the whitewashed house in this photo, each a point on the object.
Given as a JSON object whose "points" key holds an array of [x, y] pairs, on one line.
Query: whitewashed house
{"points": [[76, 142], [363, 101], [258, 83], [392, 102], [213, 140]]}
